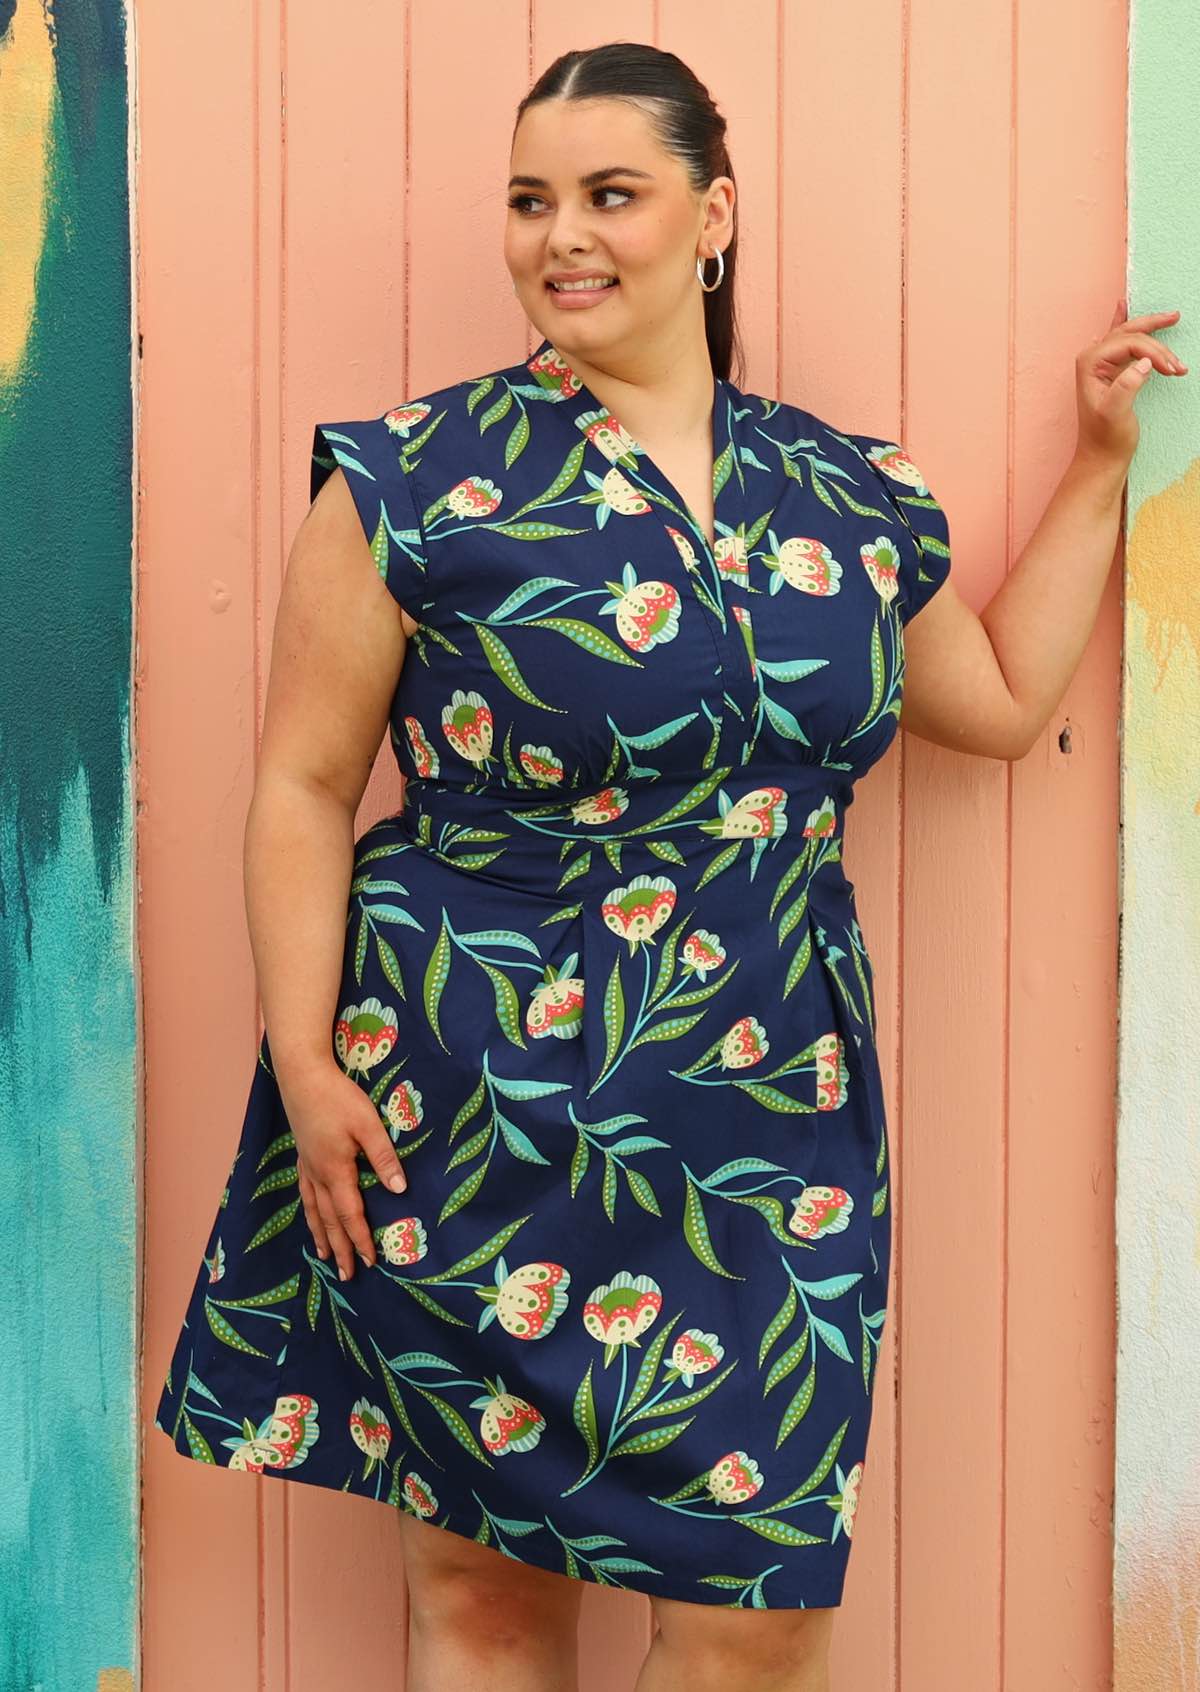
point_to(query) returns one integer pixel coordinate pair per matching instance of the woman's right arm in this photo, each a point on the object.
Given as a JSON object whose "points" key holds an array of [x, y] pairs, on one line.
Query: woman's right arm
{"points": [[337, 652]]}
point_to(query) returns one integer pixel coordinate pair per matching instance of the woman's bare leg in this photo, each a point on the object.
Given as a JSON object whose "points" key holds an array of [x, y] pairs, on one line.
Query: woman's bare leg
{"points": [[479, 1619], [711, 1648]]}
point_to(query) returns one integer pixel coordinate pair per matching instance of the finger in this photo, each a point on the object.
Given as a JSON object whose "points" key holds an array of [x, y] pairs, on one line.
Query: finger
{"points": [[340, 1241], [377, 1143], [308, 1198], [1129, 382], [1140, 346], [348, 1206], [1150, 320]]}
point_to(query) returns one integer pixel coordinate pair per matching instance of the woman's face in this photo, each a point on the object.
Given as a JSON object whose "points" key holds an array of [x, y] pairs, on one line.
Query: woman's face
{"points": [[593, 192]]}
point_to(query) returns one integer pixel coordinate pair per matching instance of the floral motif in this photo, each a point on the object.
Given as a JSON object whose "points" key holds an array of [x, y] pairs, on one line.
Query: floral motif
{"points": [[745, 1044], [424, 753], [283, 1441], [508, 1423], [419, 1497], [603, 807], [647, 613], [734, 1478], [695, 1353], [364, 1035], [619, 1311], [556, 1004], [540, 764], [406, 419], [474, 496], [702, 951], [403, 1241], [403, 1109], [467, 725], [819, 1211], [637, 911], [530, 1300], [829, 1053], [806, 563], [371, 1431]]}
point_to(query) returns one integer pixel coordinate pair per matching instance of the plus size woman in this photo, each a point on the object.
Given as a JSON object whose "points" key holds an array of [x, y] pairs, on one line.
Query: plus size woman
{"points": [[561, 1215]]}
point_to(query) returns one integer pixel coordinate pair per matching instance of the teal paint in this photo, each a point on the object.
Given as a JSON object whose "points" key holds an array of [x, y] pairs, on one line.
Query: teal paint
{"points": [[69, 1476]]}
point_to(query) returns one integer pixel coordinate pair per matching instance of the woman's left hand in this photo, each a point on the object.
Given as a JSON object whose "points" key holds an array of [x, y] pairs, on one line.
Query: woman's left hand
{"points": [[1109, 374]]}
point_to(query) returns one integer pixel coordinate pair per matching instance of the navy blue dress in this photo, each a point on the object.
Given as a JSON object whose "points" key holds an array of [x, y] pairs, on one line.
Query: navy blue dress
{"points": [[605, 983]]}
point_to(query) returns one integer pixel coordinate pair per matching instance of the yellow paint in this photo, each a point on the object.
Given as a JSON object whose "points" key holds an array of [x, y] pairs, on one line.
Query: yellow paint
{"points": [[27, 70], [114, 1680], [1165, 589]]}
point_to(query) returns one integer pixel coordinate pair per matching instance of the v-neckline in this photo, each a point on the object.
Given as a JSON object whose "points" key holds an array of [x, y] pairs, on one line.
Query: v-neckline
{"points": [[617, 444]]}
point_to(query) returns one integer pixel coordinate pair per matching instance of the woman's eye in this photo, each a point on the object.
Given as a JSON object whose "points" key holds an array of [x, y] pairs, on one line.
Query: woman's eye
{"points": [[522, 202]]}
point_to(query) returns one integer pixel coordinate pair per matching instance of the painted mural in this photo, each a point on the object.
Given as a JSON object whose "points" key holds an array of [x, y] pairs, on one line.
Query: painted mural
{"points": [[68, 1220], [1156, 1573]]}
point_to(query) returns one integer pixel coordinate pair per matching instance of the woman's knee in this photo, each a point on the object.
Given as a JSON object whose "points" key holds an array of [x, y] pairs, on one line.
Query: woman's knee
{"points": [[471, 1590], [755, 1643]]}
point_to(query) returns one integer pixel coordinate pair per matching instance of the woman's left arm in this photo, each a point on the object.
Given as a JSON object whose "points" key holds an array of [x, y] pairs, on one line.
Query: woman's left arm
{"points": [[989, 683]]}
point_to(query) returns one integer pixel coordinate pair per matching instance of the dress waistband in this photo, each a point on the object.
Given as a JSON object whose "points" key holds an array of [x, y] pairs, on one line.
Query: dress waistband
{"points": [[549, 841]]}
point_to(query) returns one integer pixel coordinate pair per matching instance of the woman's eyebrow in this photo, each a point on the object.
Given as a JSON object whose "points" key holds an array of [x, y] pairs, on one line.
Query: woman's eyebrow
{"points": [[591, 180]]}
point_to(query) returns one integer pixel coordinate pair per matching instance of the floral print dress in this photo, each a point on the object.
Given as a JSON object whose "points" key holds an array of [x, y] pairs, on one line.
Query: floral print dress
{"points": [[605, 983]]}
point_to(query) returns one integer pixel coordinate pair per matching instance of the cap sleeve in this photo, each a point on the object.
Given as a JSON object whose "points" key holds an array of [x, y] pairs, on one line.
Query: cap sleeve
{"points": [[923, 532], [371, 456]]}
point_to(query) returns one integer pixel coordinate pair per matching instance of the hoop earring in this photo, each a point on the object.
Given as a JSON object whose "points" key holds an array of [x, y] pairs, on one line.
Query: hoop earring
{"points": [[720, 258]]}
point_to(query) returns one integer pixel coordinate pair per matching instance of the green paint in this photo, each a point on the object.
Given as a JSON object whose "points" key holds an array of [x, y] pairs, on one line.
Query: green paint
{"points": [[1156, 1577], [68, 1168]]}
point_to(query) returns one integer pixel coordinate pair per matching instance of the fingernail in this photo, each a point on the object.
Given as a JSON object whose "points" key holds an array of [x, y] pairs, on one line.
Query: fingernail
{"points": [[397, 1183], [342, 1276]]}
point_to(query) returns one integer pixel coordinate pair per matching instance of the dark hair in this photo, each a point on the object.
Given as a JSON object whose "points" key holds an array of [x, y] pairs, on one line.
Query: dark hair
{"points": [[686, 122]]}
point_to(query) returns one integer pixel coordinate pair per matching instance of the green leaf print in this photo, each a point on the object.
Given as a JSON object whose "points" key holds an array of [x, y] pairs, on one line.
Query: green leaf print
{"points": [[505, 666], [227, 1334], [498, 409], [259, 1301], [389, 963], [642, 1191], [782, 1533], [592, 640], [532, 531], [508, 1006], [651, 1439], [273, 1183], [777, 1324], [584, 1411], [274, 1225], [198, 1446], [798, 1408], [437, 971], [614, 1016], [517, 441], [695, 1232], [280, 1144]]}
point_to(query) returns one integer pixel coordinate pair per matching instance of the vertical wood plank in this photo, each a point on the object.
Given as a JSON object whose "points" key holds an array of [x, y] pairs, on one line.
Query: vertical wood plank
{"points": [[956, 891], [197, 656], [1068, 268]]}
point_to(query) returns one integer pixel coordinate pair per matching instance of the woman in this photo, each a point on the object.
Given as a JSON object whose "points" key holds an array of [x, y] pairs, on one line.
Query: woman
{"points": [[602, 981]]}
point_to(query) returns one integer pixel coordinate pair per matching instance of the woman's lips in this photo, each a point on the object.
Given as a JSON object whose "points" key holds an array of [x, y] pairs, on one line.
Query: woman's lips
{"points": [[574, 299]]}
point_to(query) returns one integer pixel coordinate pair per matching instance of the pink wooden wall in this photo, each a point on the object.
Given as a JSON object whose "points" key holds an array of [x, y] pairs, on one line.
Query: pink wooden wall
{"points": [[932, 224]]}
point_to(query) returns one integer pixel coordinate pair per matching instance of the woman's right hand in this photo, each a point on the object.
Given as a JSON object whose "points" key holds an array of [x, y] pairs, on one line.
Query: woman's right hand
{"points": [[332, 1119]]}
